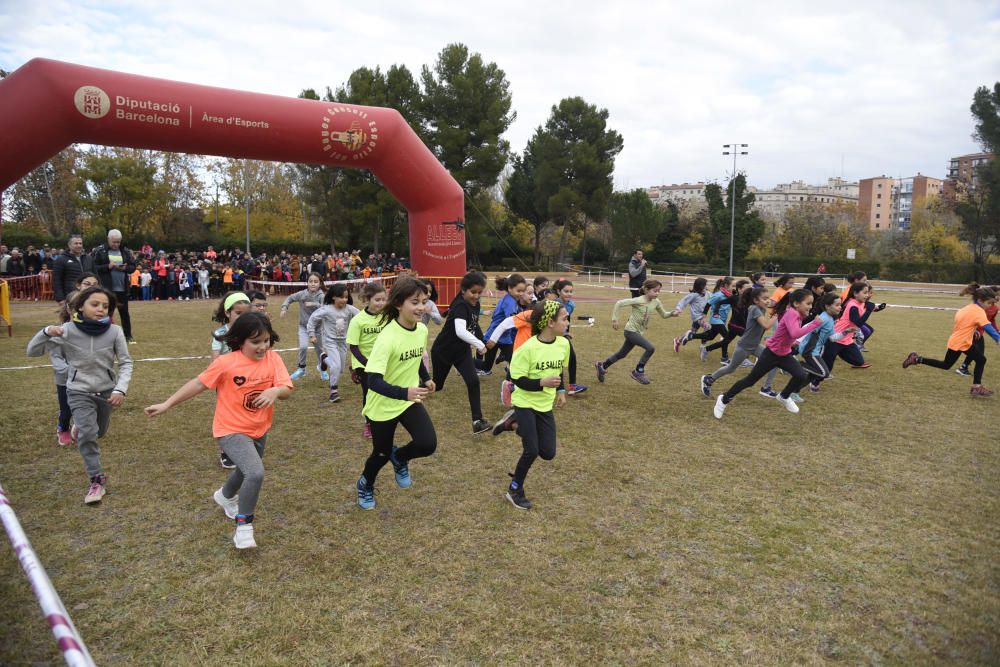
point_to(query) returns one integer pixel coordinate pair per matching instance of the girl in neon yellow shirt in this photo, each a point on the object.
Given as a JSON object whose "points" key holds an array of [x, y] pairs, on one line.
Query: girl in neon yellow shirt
{"points": [[536, 369], [397, 385]]}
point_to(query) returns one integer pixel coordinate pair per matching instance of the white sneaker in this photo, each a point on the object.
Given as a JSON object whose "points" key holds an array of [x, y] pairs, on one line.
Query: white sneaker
{"points": [[703, 353], [243, 538], [720, 407], [230, 505], [789, 404]]}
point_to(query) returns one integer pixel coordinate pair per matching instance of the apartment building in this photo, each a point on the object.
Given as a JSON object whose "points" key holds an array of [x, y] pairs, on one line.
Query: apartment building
{"points": [[875, 202], [888, 203], [775, 202], [962, 170], [910, 193], [679, 194]]}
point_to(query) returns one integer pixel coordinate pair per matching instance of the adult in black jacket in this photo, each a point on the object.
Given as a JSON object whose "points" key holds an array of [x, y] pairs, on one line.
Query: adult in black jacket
{"points": [[636, 273], [68, 267], [114, 264]]}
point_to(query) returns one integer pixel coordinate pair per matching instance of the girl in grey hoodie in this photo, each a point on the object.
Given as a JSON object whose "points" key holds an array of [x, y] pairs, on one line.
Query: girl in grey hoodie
{"points": [[90, 344]]}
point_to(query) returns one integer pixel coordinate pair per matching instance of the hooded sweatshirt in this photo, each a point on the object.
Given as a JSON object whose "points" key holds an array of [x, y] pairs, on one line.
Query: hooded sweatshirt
{"points": [[91, 359]]}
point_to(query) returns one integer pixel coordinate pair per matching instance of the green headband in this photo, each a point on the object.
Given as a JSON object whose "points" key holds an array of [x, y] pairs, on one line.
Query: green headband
{"points": [[549, 310], [234, 299]]}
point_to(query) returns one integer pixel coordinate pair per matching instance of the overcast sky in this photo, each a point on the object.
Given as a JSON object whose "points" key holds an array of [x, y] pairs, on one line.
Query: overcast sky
{"points": [[859, 88]]}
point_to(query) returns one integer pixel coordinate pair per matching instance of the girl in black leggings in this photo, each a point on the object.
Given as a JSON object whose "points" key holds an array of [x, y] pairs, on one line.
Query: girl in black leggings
{"points": [[451, 347], [398, 383], [969, 322]]}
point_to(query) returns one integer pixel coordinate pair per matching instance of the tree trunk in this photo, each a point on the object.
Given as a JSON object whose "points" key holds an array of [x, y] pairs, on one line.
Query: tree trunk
{"points": [[538, 244], [562, 243], [583, 255]]}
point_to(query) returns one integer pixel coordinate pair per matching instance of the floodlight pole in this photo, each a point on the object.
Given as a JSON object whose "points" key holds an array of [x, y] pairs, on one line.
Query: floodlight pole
{"points": [[734, 151]]}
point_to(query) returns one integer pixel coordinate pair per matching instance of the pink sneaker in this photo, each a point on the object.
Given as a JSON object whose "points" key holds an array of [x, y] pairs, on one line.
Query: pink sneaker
{"points": [[368, 430], [98, 488], [64, 438], [506, 389]]}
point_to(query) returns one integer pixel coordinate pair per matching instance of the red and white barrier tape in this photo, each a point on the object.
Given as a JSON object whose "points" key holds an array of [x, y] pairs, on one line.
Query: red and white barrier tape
{"points": [[353, 281], [70, 642]]}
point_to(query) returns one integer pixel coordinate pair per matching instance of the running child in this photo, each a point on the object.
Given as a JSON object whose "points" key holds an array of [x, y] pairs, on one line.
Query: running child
{"points": [[431, 313], [978, 341], [564, 293], [65, 435], [258, 302], [969, 321], [90, 345], [451, 347], [856, 311], [361, 334], [247, 383], [537, 369], [755, 301], [815, 343], [695, 300], [782, 286], [231, 306], [538, 287], [309, 300], [717, 310], [514, 286], [777, 352], [327, 329], [640, 311], [398, 384]]}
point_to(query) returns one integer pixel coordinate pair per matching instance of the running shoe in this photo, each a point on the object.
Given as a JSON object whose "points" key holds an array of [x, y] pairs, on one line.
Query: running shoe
{"points": [[322, 363], [481, 373], [64, 438], [641, 378], [401, 469], [506, 391], [517, 499], [225, 461], [243, 537], [481, 426], [677, 344], [789, 404], [575, 389], [706, 385], [963, 370], [724, 361], [795, 397], [686, 337], [813, 387], [506, 423], [720, 407], [862, 366], [747, 364], [231, 506], [767, 392], [324, 376], [366, 494], [911, 359], [602, 372], [980, 390], [97, 490], [334, 395], [298, 374], [703, 353]]}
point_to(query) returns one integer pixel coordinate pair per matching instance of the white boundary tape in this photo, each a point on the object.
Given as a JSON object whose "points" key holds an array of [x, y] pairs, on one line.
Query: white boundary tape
{"points": [[202, 356], [70, 642]]}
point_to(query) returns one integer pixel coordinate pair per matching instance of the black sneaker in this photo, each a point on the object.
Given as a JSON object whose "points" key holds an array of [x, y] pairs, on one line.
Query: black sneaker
{"points": [[225, 461], [481, 426], [517, 499], [601, 372], [506, 423], [963, 370], [334, 395], [706, 385]]}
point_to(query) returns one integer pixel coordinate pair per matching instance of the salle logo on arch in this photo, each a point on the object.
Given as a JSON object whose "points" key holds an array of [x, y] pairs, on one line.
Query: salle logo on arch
{"points": [[92, 102]]}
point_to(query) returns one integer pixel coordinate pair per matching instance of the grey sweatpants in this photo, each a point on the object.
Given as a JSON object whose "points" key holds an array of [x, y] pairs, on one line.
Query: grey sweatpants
{"points": [[92, 416], [336, 358], [246, 453], [304, 345], [737, 358]]}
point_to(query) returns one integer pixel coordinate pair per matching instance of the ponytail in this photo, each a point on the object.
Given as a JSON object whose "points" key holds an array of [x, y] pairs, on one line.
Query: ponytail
{"points": [[510, 282], [722, 282], [796, 296]]}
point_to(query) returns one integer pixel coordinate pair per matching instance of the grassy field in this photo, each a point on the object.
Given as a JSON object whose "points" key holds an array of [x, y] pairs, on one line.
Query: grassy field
{"points": [[864, 530]]}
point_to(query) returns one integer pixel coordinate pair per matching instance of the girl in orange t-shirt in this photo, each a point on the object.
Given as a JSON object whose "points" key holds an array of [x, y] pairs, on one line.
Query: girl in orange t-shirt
{"points": [[978, 341], [969, 322], [248, 382]]}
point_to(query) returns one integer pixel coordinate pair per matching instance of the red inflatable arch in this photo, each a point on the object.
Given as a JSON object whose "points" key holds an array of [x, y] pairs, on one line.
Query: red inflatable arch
{"points": [[47, 105]]}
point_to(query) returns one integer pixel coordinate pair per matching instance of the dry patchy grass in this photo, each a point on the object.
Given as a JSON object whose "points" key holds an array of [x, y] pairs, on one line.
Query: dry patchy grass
{"points": [[863, 530]]}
